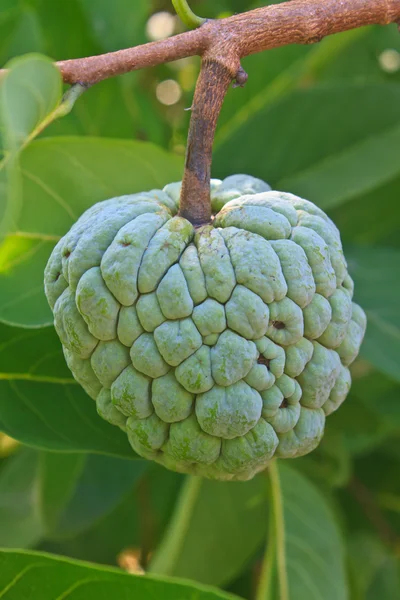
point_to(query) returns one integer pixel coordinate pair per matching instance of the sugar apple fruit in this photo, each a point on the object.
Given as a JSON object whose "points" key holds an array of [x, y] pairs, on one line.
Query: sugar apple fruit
{"points": [[215, 349]]}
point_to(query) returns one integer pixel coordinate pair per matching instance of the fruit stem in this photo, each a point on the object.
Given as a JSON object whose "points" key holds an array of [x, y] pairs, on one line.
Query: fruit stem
{"points": [[214, 80]]}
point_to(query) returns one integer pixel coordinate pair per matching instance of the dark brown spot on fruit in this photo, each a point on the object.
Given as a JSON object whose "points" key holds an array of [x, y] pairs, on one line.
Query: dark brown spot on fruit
{"points": [[264, 361], [278, 324]]}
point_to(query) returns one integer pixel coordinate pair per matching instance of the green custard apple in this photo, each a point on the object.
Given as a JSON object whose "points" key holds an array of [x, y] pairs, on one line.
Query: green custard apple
{"points": [[218, 348]]}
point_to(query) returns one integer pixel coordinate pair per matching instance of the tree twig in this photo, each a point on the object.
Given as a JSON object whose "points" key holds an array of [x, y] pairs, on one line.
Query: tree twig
{"points": [[294, 22]]}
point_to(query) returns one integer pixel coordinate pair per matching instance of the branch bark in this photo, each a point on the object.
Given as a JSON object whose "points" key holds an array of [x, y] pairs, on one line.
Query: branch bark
{"points": [[213, 83], [293, 22]]}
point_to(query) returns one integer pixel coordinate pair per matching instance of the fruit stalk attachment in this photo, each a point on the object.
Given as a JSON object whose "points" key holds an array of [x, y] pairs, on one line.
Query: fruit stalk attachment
{"points": [[213, 83]]}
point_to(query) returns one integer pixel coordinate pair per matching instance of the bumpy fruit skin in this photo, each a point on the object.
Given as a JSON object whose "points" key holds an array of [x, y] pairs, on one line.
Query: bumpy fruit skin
{"points": [[217, 349]]}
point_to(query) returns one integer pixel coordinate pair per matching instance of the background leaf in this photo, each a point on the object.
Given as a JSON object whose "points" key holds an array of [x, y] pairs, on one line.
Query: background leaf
{"points": [[76, 490], [20, 522], [29, 92], [20, 572], [312, 561], [135, 526], [42, 405], [375, 572], [375, 271], [227, 521]]}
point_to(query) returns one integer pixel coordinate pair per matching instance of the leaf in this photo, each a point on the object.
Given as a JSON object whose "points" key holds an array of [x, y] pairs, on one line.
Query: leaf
{"points": [[135, 524], [372, 218], [22, 262], [348, 57], [315, 142], [309, 549], [62, 177], [8, 24], [29, 92], [120, 107], [377, 289], [330, 463], [370, 414], [375, 572], [68, 30], [117, 25], [20, 523], [357, 170], [41, 405], [209, 520], [306, 128], [363, 58], [287, 68], [29, 96], [380, 396], [76, 490], [53, 577]]}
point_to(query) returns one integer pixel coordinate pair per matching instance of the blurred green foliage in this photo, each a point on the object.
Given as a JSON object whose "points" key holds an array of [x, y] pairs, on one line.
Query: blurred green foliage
{"points": [[322, 121]]}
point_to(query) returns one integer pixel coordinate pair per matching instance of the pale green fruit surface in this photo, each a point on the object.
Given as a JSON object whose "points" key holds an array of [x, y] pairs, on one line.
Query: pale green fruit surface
{"points": [[218, 349]]}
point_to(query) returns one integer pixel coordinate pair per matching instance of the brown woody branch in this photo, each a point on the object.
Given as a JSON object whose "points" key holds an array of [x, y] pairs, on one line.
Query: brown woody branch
{"points": [[222, 43], [294, 22], [213, 83]]}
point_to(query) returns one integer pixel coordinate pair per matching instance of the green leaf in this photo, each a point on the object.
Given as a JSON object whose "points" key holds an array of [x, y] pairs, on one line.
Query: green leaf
{"points": [[119, 24], [119, 107], [42, 405], [334, 144], [76, 490], [32, 355], [22, 262], [29, 96], [357, 170], [375, 572], [286, 69], [20, 523], [305, 129], [309, 549], [9, 18], [29, 92], [370, 414], [330, 463], [137, 522], [377, 289], [64, 176], [209, 519], [61, 178], [53, 577]]}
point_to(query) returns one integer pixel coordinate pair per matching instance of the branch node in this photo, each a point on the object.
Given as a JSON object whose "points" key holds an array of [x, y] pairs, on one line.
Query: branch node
{"points": [[240, 79]]}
